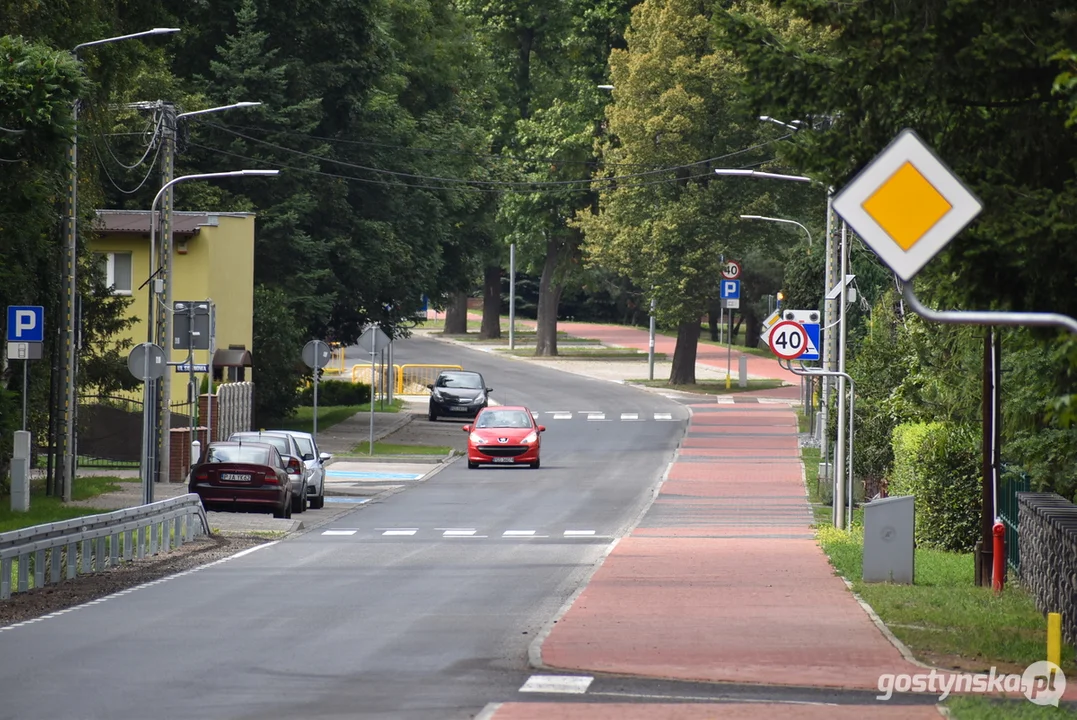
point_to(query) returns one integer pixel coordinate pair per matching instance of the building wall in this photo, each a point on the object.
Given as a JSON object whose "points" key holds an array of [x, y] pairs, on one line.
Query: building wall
{"points": [[218, 266]]}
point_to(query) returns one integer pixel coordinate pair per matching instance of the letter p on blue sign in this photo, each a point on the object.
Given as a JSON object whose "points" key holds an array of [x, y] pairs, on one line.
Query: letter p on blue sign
{"points": [[25, 323]]}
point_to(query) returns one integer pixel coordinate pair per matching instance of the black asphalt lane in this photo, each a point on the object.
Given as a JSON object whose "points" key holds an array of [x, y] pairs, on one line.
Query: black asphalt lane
{"points": [[366, 625]]}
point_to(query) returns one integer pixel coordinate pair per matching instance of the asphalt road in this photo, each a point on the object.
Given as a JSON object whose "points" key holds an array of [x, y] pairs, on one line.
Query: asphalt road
{"points": [[432, 620]]}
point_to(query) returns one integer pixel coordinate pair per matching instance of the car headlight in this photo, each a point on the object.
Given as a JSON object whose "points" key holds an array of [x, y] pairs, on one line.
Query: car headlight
{"points": [[436, 394], [479, 400], [533, 437], [476, 438]]}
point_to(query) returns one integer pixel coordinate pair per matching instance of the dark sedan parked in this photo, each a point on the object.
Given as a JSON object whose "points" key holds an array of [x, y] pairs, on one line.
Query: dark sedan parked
{"points": [[244, 474], [458, 393]]}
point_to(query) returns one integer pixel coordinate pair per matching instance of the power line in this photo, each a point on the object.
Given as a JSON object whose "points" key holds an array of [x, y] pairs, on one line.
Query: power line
{"points": [[493, 183]]}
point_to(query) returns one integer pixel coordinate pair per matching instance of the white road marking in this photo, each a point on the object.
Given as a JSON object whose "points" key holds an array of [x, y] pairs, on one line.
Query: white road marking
{"points": [[630, 416], [578, 533], [596, 416], [566, 684], [663, 416], [558, 412], [339, 532], [458, 533], [562, 416], [518, 533], [399, 532]]}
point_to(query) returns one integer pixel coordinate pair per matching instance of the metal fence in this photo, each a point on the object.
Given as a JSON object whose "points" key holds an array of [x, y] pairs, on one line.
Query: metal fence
{"points": [[410, 379], [1012, 480], [43, 554]]}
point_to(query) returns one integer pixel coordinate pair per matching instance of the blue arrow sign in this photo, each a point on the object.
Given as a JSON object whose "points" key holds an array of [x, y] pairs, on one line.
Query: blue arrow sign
{"points": [[812, 353], [25, 323], [730, 289]]}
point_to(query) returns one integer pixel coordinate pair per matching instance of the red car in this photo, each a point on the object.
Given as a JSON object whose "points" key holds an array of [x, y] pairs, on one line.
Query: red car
{"points": [[245, 474], [503, 435]]}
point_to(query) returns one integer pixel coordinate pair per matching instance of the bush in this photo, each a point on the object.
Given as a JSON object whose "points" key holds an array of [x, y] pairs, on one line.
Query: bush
{"points": [[939, 464], [336, 392]]}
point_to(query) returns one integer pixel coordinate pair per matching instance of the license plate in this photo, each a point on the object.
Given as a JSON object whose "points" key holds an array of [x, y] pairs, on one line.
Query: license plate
{"points": [[504, 460], [235, 477], [459, 408]]}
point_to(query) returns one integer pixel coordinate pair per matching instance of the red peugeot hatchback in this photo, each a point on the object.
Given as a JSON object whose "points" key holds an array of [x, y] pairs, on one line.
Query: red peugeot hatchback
{"points": [[503, 435], [244, 474]]}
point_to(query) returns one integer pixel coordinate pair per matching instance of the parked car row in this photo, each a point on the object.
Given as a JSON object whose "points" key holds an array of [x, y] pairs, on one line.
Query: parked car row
{"points": [[275, 470]]}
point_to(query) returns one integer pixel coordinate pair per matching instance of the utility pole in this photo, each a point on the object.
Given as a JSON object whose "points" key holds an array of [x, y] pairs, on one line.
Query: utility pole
{"points": [[841, 456], [830, 334], [163, 422], [66, 439]]}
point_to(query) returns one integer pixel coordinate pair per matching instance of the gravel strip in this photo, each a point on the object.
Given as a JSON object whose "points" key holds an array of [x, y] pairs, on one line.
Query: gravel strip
{"points": [[23, 606]]}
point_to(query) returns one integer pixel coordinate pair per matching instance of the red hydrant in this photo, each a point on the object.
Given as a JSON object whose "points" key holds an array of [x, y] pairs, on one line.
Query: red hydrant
{"points": [[998, 557]]}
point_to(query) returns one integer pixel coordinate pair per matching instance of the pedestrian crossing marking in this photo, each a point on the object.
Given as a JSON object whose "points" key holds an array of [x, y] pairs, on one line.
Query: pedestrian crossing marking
{"points": [[340, 532], [596, 416], [400, 532], [518, 533], [579, 533], [630, 416], [663, 416]]}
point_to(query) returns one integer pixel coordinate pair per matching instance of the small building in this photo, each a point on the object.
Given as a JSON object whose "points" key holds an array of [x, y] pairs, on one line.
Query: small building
{"points": [[213, 260]]}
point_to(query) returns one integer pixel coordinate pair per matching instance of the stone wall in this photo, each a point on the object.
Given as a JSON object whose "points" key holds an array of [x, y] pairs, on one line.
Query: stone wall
{"points": [[1047, 528]]}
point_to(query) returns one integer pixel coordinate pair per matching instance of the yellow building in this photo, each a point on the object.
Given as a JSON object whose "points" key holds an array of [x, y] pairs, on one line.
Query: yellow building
{"points": [[213, 260]]}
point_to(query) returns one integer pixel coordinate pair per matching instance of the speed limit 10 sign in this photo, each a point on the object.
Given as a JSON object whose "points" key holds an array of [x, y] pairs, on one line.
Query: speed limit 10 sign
{"points": [[788, 340], [731, 270]]}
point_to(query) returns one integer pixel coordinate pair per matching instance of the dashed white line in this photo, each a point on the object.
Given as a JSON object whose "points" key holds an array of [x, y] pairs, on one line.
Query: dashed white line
{"points": [[562, 416], [399, 532], [458, 533], [339, 532], [565, 684], [630, 416], [518, 533], [663, 416], [596, 416], [579, 533]]}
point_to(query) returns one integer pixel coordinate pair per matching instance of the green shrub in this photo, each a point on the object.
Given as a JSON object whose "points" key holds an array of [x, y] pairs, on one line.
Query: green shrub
{"points": [[336, 392], [939, 464]]}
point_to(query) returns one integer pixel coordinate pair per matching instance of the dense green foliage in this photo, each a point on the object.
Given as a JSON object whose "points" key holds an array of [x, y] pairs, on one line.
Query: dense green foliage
{"points": [[336, 393], [938, 464]]}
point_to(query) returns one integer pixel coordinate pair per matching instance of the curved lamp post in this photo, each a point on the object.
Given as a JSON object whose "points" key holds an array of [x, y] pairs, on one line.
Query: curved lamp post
{"points": [[148, 449], [778, 220]]}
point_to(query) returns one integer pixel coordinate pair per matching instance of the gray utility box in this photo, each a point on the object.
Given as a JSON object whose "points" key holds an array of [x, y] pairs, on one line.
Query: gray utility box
{"points": [[888, 540]]}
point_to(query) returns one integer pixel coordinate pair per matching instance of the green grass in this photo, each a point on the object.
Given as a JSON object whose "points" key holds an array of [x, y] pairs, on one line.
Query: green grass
{"points": [[330, 415], [944, 618], [713, 387], [50, 508], [383, 448], [88, 462], [599, 352], [980, 708], [524, 337]]}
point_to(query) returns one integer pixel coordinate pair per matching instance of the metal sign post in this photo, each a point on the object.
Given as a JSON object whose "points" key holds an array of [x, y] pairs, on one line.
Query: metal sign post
{"points": [[147, 363], [374, 340], [316, 355], [512, 296]]}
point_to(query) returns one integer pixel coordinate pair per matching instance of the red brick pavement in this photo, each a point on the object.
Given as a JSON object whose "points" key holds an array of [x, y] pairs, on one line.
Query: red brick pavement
{"points": [[723, 582]]}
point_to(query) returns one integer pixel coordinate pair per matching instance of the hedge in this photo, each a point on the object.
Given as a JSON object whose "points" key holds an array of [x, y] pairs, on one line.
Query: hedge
{"points": [[939, 464], [336, 392]]}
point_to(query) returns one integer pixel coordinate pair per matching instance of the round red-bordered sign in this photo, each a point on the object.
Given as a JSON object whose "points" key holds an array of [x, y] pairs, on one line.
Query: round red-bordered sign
{"points": [[788, 340], [731, 271]]}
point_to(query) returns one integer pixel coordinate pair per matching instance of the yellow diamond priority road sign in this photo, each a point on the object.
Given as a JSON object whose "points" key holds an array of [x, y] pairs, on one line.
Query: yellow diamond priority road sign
{"points": [[906, 205]]}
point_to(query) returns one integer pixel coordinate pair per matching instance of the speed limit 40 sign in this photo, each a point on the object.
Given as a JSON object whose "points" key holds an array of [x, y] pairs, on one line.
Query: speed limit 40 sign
{"points": [[788, 340], [731, 270]]}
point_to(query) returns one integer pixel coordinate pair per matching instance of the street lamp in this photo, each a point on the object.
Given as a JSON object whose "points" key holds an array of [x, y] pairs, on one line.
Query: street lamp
{"points": [[794, 126], [68, 369], [233, 106], [761, 174], [778, 220], [147, 450]]}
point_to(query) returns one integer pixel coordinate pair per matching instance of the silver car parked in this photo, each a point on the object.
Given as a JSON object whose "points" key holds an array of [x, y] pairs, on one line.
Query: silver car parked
{"points": [[315, 461]]}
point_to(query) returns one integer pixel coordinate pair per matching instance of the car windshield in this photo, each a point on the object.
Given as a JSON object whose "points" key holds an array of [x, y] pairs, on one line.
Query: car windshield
{"points": [[238, 454], [467, 381], [504, 419], [281, 443], [306, 446]]}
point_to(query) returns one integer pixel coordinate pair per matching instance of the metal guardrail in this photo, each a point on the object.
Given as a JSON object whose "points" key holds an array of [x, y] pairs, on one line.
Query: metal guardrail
{"points": [[94, 542], [410, 379]]}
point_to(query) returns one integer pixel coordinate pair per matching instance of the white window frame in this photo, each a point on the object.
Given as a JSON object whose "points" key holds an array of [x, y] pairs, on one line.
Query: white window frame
{"points": [[110, 272]]}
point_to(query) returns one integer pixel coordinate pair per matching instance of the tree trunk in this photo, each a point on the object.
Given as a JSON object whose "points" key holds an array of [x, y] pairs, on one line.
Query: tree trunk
{"points": [[456, 314], [736, 328], [753, 325], [714, 316], [684, 355], [549, 299], [491, 303]]}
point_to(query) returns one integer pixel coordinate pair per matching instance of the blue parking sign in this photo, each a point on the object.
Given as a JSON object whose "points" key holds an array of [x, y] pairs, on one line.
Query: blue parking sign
{"points": [[25, 323], [730, 289]]}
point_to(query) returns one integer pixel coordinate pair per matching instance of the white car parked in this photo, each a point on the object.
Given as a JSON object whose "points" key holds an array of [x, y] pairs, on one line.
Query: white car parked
{"points": [[315, 461]]}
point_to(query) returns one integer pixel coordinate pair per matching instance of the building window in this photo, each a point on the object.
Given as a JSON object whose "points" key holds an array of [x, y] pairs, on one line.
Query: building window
{"points": [[117, 267]]}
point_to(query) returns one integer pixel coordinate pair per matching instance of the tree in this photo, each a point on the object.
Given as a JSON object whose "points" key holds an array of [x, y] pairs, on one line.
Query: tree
{"points": [[277, 352]]}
